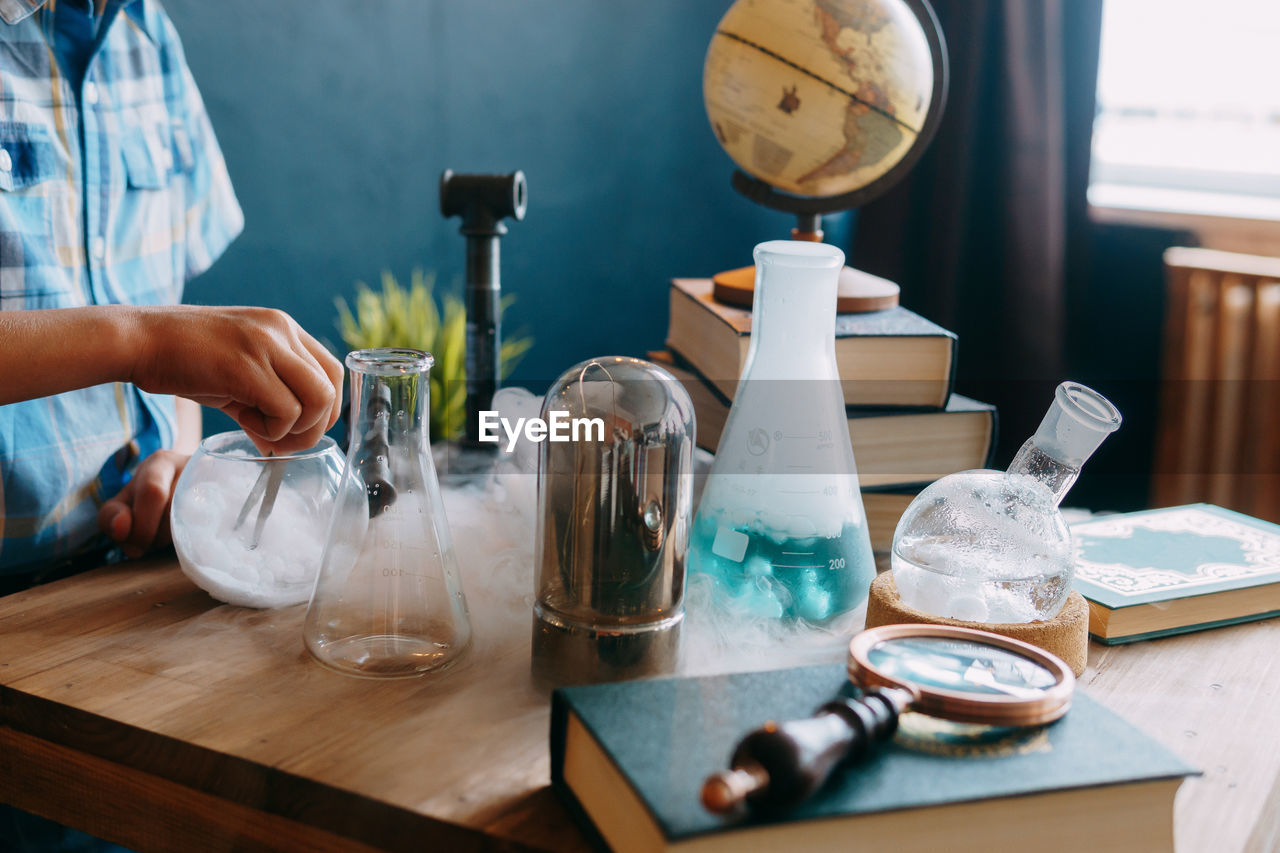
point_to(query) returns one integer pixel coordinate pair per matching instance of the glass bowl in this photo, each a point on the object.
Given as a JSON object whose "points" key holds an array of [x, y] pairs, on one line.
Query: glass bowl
{"points": [[219, 555]]}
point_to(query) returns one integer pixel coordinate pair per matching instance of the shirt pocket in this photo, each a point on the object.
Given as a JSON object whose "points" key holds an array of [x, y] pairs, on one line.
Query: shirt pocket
{"points": [[148, 158], [150, 214], [26, 156], [32, 192]]}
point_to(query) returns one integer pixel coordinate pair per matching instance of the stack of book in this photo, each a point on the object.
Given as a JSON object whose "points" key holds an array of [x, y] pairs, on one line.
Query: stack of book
{"points": [[907, 426]]}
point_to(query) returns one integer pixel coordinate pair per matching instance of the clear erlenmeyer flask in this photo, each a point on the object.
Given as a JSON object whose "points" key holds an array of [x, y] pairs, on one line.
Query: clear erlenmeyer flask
{"points": [[781, 527], [387, 602]]}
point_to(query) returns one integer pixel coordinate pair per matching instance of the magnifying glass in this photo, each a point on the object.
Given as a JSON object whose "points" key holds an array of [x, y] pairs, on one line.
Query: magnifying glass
{"points": [[956, 674]]}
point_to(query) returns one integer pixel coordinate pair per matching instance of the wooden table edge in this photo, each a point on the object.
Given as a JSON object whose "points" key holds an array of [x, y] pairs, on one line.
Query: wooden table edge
{"points": [[127, 790]]}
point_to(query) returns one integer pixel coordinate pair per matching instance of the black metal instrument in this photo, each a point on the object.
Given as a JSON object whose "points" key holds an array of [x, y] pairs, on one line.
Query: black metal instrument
{"points": [[483, 201]]}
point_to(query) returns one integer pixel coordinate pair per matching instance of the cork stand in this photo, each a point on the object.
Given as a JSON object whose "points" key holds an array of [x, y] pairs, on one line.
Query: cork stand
{"points": [[1065, 635]]}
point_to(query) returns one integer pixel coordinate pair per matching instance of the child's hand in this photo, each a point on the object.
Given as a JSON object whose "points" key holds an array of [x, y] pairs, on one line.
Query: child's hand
{"points": [[255, 364], [138, 517]]}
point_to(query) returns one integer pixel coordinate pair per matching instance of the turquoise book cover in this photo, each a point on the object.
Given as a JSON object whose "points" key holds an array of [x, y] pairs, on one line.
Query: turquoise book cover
{"points": [[666, 736], [1164, 554]]}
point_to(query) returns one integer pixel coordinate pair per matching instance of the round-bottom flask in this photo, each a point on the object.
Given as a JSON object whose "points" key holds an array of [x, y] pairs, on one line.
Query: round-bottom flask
{"points": [[780, 527], [992, 546], [387, 602]]}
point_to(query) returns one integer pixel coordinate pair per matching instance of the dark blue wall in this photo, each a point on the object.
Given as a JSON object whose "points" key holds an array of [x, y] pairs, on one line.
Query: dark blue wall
{"points": [[337, 117]]}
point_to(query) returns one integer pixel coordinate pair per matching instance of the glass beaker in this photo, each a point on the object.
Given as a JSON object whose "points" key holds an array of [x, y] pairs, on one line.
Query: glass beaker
{"points": [[265, 558], [387, 602], [991, 546], [781, 527]]}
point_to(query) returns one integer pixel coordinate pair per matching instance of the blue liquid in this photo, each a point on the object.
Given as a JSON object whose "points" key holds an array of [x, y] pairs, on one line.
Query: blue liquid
{"points": [[811, 578]]}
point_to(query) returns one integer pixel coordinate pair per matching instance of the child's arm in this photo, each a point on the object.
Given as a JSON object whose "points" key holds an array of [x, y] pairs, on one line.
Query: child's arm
{"points": [[255, 364]]}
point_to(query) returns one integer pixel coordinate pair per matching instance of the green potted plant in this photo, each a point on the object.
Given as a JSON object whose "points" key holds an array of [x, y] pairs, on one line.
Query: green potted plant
{"points": [[409, 317]]}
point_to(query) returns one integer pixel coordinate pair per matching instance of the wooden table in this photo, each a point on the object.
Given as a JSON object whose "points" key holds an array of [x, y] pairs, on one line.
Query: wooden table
{"points": [[135, 707]]}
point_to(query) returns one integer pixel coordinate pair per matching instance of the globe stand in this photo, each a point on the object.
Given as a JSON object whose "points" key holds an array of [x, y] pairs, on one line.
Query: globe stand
{"points": [[858, 292]]}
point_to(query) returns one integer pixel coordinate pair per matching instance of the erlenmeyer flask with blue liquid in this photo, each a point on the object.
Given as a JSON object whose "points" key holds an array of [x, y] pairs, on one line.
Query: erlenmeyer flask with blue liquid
{"points": [[781, 528]]}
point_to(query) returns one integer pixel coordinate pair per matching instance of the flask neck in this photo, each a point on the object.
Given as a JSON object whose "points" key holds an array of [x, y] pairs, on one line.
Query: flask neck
{"points": [[793, 317], [1039, 464], [1076, 423], [389, 393]]}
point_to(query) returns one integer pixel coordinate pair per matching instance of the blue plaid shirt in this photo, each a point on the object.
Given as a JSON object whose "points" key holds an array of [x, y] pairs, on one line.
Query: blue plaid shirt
{"points": [[114, 194]]}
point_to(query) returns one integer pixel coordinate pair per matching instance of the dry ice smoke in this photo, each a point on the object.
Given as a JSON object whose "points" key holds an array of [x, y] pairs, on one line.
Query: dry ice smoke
{"points": [[492, 518], [493, 522]]}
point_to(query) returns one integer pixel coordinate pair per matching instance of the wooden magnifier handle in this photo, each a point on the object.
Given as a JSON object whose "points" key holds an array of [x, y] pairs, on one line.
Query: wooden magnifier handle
{"points": [[781, 764]]}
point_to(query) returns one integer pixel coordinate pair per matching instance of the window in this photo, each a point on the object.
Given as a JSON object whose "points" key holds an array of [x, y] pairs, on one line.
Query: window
{"points": [[1189, 109]]}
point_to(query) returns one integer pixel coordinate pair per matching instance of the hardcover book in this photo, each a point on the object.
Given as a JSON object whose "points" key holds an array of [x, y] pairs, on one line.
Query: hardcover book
{"points": [[885, 358], [629, 760], [1170, 571]]}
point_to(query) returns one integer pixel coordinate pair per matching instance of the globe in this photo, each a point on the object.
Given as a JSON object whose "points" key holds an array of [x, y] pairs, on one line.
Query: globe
{"points": [[822, 97]]}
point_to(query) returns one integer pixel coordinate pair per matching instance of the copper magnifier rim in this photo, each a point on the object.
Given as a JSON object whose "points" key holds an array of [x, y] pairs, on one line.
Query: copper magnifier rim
{"points": [[991, 710]]}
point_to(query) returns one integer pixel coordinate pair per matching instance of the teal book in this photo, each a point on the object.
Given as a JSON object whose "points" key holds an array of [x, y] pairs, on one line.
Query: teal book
{"points": [[629, 760], [1170, 571]]}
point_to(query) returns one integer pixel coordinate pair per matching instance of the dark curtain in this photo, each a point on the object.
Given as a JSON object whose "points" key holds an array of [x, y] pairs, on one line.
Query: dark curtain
{"points": [[988, 232]]}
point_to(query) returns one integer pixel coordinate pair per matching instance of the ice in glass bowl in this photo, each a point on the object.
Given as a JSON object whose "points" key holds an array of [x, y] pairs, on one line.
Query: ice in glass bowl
{"points": [[219, 556]]}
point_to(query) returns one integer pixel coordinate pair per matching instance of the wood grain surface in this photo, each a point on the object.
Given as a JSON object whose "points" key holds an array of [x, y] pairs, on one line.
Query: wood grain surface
{"points": [[137, 667], [1213, 697], [136, 707]]}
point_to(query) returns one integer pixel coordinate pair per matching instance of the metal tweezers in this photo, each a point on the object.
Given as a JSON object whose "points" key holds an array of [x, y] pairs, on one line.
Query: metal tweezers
{"points": [[266, 487]]}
